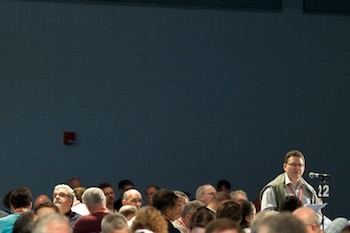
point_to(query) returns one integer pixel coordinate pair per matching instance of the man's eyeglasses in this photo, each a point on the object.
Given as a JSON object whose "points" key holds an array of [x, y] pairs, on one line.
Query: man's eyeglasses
{"points": [[296, 164], [60, 194]]}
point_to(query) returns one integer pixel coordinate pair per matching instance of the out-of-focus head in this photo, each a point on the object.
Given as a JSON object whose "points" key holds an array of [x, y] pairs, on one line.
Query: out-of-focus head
{"points": [[42, 198], [74, 182], [21, 198], [129, 211], [223, 225], [45, 208], [223, 185], [124, 185], [150, 191], [151, 219], [52, 223], [114, 223], [132, 197], [309, 218], [108, 190], [205, 193]]}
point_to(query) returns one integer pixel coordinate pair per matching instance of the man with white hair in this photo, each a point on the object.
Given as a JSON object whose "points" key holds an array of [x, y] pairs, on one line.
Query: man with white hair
{"points": [[63, 197], [52, 223], [114, 223], [95, 201]]}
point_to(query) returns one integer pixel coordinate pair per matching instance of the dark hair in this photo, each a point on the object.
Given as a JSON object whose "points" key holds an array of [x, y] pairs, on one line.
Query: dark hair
{"points": [[293, 153], [124, 183], [224, 183], [290, 204], [164, 199], [229, 209], [24, 223], [21, 197], [222, 224], [247, 208], [201, 217], [46, 204], [105, 185]]}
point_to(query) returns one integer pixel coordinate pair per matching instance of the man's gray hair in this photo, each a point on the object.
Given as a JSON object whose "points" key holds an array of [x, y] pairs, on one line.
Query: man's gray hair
{"points": [[42, 223], [66, 187], [93, 196], [191, 207], [114, 221]]}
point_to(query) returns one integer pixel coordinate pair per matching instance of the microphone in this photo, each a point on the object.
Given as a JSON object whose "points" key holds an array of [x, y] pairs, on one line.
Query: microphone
{"points": [[318, 174]]}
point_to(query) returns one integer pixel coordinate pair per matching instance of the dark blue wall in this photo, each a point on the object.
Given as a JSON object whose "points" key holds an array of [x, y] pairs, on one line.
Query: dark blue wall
{"points": [[173, 97]]}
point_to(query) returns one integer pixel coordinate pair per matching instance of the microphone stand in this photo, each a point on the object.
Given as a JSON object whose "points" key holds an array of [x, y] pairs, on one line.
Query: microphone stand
{"points": [[323, 211]]}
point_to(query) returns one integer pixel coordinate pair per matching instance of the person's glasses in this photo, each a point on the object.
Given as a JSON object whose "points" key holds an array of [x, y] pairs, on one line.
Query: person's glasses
{"points": [[60, 194], [296, 164]]}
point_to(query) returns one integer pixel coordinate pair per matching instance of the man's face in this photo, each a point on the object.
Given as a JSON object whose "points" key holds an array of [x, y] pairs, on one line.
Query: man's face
{"points": [[110, 196], [294, 167], [209, 192], [134, 198], [62, 200], [149, 194]]}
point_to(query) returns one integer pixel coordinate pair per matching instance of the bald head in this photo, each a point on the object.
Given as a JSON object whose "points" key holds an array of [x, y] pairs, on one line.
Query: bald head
{"points": [[310, 219], [132, 197]]}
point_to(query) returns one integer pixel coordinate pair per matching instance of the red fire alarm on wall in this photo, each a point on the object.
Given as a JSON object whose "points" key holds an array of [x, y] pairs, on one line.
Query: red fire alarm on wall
{"points": [[68, 138]]}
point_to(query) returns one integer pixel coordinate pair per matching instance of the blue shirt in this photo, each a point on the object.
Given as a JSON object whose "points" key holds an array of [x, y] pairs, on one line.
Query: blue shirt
{"points": [[6, 223]]}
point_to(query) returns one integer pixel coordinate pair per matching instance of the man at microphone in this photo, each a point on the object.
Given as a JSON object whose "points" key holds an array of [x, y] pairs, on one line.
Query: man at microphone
{"points": [[289, 183]]}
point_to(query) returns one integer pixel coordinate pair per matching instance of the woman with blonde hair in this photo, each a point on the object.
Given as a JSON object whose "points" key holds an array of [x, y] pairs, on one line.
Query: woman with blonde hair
{"points": [[148, 219]]}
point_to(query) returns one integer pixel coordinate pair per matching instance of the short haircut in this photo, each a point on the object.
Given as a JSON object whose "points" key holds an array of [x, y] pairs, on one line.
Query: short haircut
{"points": [[164, 199], [124, 183], [283, 222], [93, 196], [221, 196], [78, 191], [290, 204], [105, 185], [234, 193], [182, 194], [126, 210], [40, 225], [293, 153], [66, 187], [24, 223], [222, 224], [201, 217], [224, 183], [114, 221], [47, 205], [229, 209], [21, 198], [191, 207]]}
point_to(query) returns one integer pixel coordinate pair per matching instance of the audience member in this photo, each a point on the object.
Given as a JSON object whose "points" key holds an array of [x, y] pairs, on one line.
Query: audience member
{"points": [[289, 183], [223, 226], [217, 200], [183, 223], [223, 185], [200, 219], [128, 211], [3, 214], [281, 223], [150, 219], [290, 204], [78, 206], [149, 192], [45, 208], [260, 219], [239, 195], [337, 225], [74, 182], [309, 218], [132, 197], [205, 193], [52, 223], [95, 201], [248, 212], [42, 198], [24, 223], [166, 202], [108, 190], [20, 201], [114, 223], [6, 201], [123, 185], [63, 196], [229, 209]]}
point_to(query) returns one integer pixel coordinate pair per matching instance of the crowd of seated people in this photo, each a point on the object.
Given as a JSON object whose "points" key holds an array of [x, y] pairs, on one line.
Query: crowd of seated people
{"points": [[77, 209]]}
